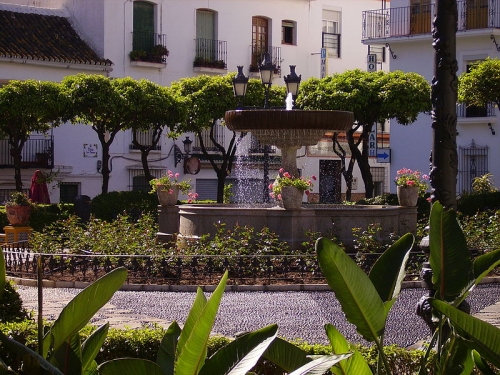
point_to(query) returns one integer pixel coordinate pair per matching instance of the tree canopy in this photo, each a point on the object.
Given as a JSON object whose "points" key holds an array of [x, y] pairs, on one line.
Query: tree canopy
{"points": [[481, 84], [373, 97], [26, 107]]}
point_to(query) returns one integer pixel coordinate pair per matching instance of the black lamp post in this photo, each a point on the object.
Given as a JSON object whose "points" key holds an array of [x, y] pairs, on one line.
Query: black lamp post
{"points": [[179, 156], [240, 83], [266, 70], [292, 82]]}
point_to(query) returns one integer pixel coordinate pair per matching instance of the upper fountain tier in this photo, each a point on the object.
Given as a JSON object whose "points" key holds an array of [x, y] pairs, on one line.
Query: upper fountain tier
{"points": [[288, 128]]}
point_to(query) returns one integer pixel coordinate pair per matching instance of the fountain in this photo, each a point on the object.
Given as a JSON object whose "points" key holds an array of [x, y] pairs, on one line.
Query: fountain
{"points": [[288, 130]]}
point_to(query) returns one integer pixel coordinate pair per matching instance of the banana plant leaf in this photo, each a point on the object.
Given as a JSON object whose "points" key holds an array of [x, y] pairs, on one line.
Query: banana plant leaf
{"points": [[77, 313], [2, 273], [358, 297], [194, 314], [320, 365], [165, 357], [355, 364], [192, 356], [449, 256], [286, 355], [481, 365], [239, 356], [68, 357], [388, 272], [92, 346], [484, 264], [481, 336], [22, 350], [129, 366]]}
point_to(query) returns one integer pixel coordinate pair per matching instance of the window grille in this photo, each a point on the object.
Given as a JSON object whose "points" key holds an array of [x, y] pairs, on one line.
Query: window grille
{"points": [[68, 191], [207, 142], [137, 180], [473, 162]]}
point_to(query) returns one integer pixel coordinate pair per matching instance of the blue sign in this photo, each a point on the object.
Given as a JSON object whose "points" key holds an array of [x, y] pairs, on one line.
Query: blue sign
{"points": [[323, 53], [383, 155]]}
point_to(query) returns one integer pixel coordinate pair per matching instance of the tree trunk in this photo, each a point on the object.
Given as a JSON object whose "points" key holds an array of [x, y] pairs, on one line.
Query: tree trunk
{"points": [[15, 151], [105, 171], [444, 159]]}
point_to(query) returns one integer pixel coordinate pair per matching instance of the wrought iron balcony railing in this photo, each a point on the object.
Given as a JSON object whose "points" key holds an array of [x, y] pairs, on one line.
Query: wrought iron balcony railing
{"points": [[467, 111], [38, 152], [145, 138], [149, 47], [258, 57], [417, 19], [210, 53]]}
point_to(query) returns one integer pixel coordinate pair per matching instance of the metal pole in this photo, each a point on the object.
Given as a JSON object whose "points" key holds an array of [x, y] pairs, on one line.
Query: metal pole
{"points": [[266, 197]]}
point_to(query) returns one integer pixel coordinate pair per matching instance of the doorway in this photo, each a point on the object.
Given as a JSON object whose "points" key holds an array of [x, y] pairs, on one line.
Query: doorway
{"points": [[330, 181]]}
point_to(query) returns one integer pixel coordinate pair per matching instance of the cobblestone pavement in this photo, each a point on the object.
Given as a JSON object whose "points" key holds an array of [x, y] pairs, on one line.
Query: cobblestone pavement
{"points": [[300, 315]]}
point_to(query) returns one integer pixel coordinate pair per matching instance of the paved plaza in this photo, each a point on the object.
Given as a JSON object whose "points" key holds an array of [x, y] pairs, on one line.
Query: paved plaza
{"points": [[299, 314]]}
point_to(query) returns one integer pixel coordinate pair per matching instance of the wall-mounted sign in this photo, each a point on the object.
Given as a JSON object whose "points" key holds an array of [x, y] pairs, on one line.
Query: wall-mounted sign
{"points": [[89, 150], [371, 62]]}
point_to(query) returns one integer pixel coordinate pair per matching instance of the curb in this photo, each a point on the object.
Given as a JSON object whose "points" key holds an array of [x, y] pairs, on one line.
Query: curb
{"points": [[211, 288]]}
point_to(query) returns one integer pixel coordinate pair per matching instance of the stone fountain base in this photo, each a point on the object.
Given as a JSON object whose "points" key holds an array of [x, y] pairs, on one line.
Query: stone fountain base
{"points": [[191, 221]]}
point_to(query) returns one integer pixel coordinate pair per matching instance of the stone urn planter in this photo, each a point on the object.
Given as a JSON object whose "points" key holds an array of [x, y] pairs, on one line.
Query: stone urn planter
{"points": [[407, 195], [167, 196], [291, 197], [18, 215]]}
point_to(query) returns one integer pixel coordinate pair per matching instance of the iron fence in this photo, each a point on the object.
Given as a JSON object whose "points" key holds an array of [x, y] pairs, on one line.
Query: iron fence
{"points": [[21, 262], [37, 152], [210, 53]]}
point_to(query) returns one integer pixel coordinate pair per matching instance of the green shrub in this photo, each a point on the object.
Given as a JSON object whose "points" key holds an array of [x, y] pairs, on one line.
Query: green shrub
{"points": [[42, 215], [469, 204], [131, 203], [11, 305], [423, 205]]}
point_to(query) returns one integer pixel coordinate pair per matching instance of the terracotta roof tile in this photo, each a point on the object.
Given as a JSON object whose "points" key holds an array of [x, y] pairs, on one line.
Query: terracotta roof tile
{"points": [[44, 37]]}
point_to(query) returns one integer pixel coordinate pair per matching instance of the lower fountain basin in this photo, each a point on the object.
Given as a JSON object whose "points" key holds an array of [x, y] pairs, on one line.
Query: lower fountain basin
{"points": [[192, 221]]}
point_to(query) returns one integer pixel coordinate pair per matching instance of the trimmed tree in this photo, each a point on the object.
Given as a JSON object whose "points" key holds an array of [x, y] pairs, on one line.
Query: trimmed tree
{"points": [[373, 98], [26, 107], [481, 85]]}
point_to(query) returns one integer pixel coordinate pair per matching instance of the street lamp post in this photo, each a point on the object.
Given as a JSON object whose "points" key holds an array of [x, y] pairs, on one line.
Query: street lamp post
{"points": [[266, 70]]}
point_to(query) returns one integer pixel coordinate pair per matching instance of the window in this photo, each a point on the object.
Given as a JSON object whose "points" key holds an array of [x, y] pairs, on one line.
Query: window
{"points": [[137, 180], [331, 32], [68, 191], [288, 32], [144, 26], [378, 175], [260, 37], [473, 162], [218, 134], [145, 138]]}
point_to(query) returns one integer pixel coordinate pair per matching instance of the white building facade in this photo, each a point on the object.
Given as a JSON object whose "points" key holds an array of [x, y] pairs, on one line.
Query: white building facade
{"points": [[406, 27], [202, 37]]}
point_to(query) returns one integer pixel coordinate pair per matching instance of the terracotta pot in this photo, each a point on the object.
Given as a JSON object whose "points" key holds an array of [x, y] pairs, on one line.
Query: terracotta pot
{"points": [[407, 195], [291, 197], [165, 197], [18, 215]]}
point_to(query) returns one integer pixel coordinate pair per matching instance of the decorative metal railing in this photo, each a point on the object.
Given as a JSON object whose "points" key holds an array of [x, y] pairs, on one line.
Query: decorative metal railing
{"points": [[258, 57], [179, 269], [417, 19], [38, 152], [464, 110], [210, 53], [149, 47]]}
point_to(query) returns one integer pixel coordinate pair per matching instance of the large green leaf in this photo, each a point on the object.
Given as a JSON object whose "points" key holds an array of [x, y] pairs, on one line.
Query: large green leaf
{"points": [[481, 336], [194, 314], [449, 255], [166, 352], [239, 356], [481, 365], [129, 366], [2, 273], [22, 350], [77, 313], [286, 355], [68, 356], [192, 357], [320, 365], [91, 346], [358, 297], [354, 365], [485, 263], [388, 272]]}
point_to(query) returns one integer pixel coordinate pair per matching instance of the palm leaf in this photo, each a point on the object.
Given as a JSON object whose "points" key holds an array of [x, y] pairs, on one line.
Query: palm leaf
{"points": [[286, 355], [320, 365], [358, 297], [239, 356], [449, 256], [388, 272], [356, 364], [166, 353], [77, 313], [481, 336], [92, 346], [192, 357], [129, 366]]}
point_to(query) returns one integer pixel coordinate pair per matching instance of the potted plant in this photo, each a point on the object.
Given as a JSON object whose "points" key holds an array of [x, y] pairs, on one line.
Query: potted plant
{"points": [[167, 188], [410, 184], [18, 208], [290, 189], [137, 55], [158, 54]]}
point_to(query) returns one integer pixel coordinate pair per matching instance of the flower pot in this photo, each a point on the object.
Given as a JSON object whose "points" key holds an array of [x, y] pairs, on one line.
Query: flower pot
{"points": [[18, 215], [167, 196], [291, 197], [407, 195]]}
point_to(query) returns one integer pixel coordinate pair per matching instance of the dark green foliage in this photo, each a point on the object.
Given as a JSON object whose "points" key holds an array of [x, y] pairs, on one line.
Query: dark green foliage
{"points": [[133, 203], [470, 204], [423, 205], [42, 215], [11, 306]]}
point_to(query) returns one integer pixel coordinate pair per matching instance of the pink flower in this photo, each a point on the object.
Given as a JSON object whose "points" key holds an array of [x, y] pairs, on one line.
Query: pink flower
{"points": [[287, 175], [281, 170], [270, 186], [308, 192], [410, 183], [279, 196], [176, 175], [190, 201], [171, 191], [313, 177], [272, 195]]}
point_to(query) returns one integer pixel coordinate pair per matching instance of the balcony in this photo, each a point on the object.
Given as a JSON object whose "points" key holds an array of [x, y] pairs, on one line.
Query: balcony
{"points": [[210, 54], [473, 111], [148, 48], [258, 57], [38, 152], [145, 138], [417, 19]]}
